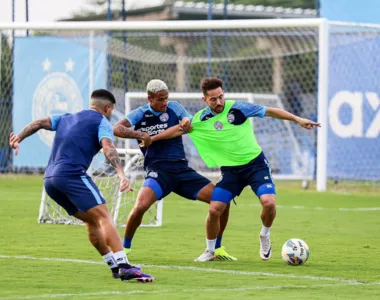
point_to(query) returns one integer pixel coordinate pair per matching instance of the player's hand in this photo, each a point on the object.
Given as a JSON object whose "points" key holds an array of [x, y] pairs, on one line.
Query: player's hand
{"points": [[308, 124], [125, 185], [145, 140], [185, 125], [14, 142]]}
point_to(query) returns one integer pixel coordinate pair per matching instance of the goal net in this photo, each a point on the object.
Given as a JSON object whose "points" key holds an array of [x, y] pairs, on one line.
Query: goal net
{"points": [[308, 67], [105, 177]]}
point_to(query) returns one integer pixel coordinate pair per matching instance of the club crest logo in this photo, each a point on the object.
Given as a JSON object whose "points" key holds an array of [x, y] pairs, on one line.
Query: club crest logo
{"points": [[56, 94], [218, 125], [231, 118], [164, 117]]}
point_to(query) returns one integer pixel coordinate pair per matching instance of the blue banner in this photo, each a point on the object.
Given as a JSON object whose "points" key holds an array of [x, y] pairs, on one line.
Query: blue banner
{"points": [[363, 11], [354, 108], [51, 77]]}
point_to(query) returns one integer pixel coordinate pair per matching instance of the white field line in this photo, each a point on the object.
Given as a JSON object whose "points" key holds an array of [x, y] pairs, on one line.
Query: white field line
{"points": [[113, 293], [210, 270], [352, 209]]}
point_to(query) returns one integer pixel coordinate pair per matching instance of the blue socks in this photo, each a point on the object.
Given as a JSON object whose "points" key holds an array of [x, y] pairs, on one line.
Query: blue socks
{"points": [[127, 242], [218, 242]]}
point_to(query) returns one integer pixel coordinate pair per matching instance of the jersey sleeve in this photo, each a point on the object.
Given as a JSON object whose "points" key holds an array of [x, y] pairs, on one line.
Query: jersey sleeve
{"points": [[135, 116], [105, 130], [55, 121], [207, 114], [250, 109], [180, 111]]}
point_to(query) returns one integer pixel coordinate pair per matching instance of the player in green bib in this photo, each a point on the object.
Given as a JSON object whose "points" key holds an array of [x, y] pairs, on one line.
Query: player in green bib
{"points": [[224, 137]]}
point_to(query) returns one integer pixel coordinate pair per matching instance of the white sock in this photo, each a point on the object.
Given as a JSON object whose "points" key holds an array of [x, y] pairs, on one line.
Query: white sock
{"points": [[265, 231], [121, 257], [110, 260], [211, 245]]}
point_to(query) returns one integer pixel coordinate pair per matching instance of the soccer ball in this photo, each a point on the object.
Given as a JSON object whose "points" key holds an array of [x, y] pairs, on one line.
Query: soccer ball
{"points": [[295, 252]]}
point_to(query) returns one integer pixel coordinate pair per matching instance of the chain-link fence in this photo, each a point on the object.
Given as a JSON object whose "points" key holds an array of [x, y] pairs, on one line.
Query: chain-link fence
{"points": [[279, 61], [6, 96]]}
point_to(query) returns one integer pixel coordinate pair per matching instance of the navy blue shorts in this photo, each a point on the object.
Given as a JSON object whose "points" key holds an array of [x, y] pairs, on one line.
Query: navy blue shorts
{"points": [[74, 194], [256, 173], [175, 177]]}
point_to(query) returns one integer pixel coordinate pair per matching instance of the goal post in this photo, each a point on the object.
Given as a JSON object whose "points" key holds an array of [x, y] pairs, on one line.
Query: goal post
{"points": [[133, 168], [253, 57], [307, 66]]}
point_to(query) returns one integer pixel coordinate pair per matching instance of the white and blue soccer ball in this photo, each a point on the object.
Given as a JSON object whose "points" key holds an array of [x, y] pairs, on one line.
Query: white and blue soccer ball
{"points": [[295, 252]]}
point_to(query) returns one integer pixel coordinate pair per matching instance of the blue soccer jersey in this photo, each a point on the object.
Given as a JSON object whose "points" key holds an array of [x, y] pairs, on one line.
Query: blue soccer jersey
{"points": [[77, 140], [145, 119], [239, 112]]}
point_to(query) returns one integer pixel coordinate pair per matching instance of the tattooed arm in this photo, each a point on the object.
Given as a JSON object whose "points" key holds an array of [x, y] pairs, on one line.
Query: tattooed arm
{"points": [[30, 129], [33, 127], [111, 154], [122, 130]]}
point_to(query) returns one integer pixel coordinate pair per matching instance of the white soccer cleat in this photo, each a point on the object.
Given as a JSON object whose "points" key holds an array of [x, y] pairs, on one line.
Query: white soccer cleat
{"points": [[265, 247], [206, 256]]}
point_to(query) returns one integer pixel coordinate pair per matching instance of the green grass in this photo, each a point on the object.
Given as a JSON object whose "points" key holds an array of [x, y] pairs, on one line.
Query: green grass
{"points": [[344, 245]]}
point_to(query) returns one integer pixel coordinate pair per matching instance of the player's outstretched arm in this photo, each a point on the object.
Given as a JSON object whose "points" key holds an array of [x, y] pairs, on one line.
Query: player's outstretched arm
{"points": [[28, 130], [121, 129], [170, 133], [279, 113], [111, 154], [174, 131]]}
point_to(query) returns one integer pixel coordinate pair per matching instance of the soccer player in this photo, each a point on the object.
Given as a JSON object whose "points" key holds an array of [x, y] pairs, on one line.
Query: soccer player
{"points": [[224, 137], [78, 138], [165, 162]]}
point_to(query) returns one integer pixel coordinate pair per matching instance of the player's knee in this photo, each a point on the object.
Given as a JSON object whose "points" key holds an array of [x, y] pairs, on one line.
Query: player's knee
{"points": [[216, 209], [141, 207], [92, 224], [268, 202], [139, 210]]}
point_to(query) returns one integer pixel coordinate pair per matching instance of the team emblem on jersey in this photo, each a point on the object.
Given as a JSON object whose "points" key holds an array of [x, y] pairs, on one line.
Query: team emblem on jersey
{"points": [[218, 125], [164, 117], [231, 118], [152, 174], [56, 94]]}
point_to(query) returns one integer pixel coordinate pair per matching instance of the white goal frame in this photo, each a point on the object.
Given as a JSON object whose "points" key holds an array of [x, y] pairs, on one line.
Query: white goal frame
{"points": [[134, 155], [321, 24]]}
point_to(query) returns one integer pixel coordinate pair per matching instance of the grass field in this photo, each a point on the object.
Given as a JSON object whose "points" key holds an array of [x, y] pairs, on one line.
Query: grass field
{"points": [[40, 261]]}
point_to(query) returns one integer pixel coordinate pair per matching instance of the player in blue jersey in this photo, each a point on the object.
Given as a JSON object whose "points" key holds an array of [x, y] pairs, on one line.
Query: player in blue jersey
{"points": [[164, 161], [79, 137], [255, 172]]}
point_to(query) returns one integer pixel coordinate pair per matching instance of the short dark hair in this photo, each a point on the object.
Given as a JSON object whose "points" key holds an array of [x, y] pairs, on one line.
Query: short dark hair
{"points": [[103, 95], [210, 83]]}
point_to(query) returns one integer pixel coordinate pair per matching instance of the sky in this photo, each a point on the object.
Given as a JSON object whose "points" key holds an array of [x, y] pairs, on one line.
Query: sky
{"points": [[52, 10]]}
